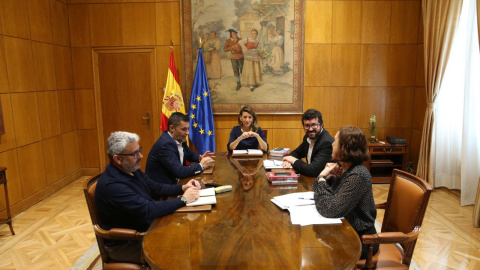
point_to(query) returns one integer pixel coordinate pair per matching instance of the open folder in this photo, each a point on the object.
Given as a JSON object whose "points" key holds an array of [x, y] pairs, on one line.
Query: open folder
{"points": [[204, 202], [247, 153]]}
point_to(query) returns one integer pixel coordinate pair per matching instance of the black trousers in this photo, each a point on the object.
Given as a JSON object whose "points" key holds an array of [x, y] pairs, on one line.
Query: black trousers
{"points": [[130, 251], [237, 66]]}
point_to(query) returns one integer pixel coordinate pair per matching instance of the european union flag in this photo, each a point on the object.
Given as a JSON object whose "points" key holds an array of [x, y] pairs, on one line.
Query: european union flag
{"points": [[200, 113]]}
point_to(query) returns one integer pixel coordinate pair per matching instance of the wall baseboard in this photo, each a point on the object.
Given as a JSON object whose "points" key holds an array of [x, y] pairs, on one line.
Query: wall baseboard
{"points": [[42, 194], [90, 171]]}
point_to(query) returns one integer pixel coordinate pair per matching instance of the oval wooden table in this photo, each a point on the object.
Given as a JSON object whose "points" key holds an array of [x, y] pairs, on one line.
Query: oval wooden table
{"points": [[245, 230]]}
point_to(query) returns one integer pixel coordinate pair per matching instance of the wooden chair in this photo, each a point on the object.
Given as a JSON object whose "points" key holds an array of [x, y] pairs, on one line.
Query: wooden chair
{"points": [[115, 233], [404, 211]]}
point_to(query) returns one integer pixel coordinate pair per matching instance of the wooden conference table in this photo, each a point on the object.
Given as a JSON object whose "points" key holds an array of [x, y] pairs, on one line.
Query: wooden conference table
{"points": [[245, 230]]}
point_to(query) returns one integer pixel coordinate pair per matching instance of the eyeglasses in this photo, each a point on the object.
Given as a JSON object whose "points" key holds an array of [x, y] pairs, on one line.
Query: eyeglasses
{"points": [[134, 154], [314, 126]]}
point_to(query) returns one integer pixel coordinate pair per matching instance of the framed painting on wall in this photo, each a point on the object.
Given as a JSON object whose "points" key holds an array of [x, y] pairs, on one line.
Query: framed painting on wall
{"points": [[252, 49]]}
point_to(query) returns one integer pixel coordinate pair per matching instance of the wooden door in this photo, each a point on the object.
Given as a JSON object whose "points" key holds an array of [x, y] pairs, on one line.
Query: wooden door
{"points": [[126, 83]]}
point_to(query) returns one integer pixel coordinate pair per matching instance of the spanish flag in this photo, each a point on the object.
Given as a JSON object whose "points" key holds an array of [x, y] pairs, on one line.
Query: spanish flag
{"points": [[172, 99]]}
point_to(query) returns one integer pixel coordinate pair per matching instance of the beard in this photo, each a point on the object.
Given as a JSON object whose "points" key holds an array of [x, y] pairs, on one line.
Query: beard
{"points": [[129, 167], [313, 135]]}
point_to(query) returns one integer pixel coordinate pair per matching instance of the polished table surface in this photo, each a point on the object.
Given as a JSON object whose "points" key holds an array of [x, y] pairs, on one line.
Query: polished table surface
{"points": [[245, 230]]}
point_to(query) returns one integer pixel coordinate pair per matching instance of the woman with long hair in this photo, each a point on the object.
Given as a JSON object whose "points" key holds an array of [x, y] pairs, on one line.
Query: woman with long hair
{"points": [[247, 135], [344, 189]]}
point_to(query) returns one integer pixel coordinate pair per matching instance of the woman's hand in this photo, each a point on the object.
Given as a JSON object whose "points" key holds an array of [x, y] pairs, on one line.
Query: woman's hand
{"points": [[248, 134], [330, 169]]}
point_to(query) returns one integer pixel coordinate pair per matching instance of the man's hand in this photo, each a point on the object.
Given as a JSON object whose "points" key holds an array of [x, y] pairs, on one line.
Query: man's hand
{"points": [[286, 164], [191, 194], [192, 184], [207, 162], [207, 154], [289, 159]]}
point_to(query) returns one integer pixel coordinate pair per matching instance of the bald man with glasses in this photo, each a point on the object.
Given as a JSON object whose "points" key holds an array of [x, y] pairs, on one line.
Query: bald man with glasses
{"points": [[316, 147]]}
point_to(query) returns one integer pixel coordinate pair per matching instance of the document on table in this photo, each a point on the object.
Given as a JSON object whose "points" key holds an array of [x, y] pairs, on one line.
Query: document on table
{"points": [[294, 199], [206, 192], [273, 164], [309, 215], [203, 201], [247, 152], [207, 196]]}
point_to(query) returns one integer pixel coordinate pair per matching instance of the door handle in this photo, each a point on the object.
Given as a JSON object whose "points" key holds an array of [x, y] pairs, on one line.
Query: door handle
{"points": [[148, 120]]}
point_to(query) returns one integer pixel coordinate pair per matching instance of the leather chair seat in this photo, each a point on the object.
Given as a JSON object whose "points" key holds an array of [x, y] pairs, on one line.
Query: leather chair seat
{"points": [[387, 257]]}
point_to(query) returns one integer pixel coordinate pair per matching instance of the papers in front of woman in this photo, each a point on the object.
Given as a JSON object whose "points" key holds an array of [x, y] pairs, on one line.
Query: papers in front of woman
{"points": [[309, 215], [294, 199], [301, 206], [247, 152]]}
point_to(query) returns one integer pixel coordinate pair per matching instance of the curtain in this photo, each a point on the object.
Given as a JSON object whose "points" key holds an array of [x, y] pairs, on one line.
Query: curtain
{"points": [[457, 114], [440, 19], [470, 168]]}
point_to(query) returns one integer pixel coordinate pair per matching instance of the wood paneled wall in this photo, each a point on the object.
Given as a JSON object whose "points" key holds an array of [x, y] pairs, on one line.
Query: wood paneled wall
{"points": [[361, 57], [40, 147], [101, 24]]}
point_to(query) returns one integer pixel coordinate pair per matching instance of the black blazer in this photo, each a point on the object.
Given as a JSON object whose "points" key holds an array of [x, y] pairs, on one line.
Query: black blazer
{"points": [[163, 162], [321, 155]]}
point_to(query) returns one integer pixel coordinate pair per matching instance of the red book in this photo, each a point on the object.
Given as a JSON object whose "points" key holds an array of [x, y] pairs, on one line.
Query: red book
{"points": [[285, 175]]}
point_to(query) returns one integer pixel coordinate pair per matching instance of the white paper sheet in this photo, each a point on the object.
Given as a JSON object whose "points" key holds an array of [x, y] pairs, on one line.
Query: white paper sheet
{"points": [[206, 192], [253, 152], [273, 164], [295, 199], [308, 215], [204, 201]]}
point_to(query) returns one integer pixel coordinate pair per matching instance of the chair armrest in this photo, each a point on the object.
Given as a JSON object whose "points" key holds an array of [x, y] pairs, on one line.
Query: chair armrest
{"points": [[118, 233], [381, 205], [391, 237]]}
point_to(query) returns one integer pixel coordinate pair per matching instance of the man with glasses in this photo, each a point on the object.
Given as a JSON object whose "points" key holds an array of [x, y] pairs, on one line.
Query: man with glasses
{"points": [[316, 146], [167, 160], [127, 198]]}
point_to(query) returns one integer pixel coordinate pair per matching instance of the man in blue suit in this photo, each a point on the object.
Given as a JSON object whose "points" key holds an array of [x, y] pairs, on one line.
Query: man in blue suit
{"points": [[167, 160]]}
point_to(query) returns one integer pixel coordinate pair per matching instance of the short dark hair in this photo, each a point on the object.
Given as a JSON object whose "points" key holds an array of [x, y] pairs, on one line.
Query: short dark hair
{"points": [[312, 114], [176, 118], [353, 145]]}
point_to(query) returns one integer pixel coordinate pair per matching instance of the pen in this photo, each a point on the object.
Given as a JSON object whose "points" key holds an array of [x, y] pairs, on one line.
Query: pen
{"points": [[301, 198]]}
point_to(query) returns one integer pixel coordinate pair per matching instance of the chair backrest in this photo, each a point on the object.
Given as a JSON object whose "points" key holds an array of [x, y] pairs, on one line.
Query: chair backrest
{"points": [[265, 131], [89, 191], [406, 205]]}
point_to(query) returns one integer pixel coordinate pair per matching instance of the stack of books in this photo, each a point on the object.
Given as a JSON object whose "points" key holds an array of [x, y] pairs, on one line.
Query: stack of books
{"points": [[279, 153], [282, 178]]}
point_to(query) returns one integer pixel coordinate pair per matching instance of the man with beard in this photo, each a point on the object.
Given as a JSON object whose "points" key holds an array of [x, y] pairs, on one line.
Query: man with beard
{"points": [[316, 146], [167, 160], [127, 198]]}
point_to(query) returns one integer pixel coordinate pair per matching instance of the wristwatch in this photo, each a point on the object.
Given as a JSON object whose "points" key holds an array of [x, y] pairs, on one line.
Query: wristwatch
{"points": [[321, 178], [184, 199]]}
